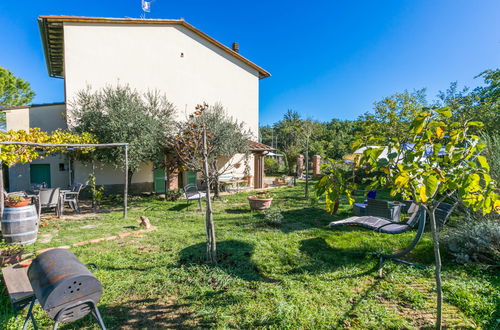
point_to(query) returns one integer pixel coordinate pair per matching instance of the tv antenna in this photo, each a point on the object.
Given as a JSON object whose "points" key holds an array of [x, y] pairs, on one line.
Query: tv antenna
{"points": [[146, 7]]}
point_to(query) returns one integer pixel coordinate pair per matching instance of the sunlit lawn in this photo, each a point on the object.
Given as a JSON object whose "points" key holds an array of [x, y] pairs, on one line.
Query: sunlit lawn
{"points": [[299, 275]]}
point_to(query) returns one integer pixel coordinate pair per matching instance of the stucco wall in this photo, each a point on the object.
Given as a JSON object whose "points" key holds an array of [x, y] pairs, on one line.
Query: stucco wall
{"points": [[186, 67], [108, 174], [18, 119], [48, 117]]}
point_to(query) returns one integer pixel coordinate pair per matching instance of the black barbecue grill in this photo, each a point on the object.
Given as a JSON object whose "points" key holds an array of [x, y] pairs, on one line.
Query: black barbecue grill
{"points": [[64, 287]]}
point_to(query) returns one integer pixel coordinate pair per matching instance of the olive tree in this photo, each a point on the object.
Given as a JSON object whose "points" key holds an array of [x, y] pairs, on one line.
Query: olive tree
{"points": [[435, 158], [208, 136], [122, 114]]}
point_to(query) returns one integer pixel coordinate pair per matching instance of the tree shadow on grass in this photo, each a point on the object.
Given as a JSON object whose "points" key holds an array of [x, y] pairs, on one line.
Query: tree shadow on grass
{"points": [[238, 211], [308, 217], [234, 258], [325, 258], [145, 314], [179, 207]]}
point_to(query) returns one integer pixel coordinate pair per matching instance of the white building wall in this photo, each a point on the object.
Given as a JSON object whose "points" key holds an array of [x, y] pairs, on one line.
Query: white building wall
{"points": [[110, 175], [17, 119], [48, 118], [187, 68]]}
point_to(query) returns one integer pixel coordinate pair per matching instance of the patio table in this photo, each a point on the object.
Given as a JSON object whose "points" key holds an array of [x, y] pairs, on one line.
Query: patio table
{"points": [[359, 209], [234, 181]]}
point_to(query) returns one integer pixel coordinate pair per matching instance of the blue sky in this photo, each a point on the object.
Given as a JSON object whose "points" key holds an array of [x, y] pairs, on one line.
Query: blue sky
{"points": [[329, 59]]}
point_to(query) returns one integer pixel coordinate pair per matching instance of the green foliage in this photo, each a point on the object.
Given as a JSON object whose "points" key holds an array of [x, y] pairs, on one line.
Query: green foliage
{"points": [[10, 249], [173, 194], [14, 198], [290, 138], [123, 115], [337, 181], [477, 241], [480, 104], [273, 217], [226, 137], [289, 135], [271, 166], [391, 115], [335, 139], [96, 191], [263, 194], [492, 153], [12, 154], [436, 157], [14, 90]]}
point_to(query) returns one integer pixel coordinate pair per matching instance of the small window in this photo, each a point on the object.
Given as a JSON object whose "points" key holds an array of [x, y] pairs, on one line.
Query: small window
{"points": [[62, 167]]}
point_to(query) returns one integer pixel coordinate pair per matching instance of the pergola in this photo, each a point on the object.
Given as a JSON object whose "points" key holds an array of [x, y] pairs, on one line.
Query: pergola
{"points": [[259, 150], [68, 146]]}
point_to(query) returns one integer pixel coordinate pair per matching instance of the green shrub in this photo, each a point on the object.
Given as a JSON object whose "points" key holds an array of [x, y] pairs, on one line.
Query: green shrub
{"points": [[273, 217], [173, 195], [474, 241], [492, 153], [271, 165]]}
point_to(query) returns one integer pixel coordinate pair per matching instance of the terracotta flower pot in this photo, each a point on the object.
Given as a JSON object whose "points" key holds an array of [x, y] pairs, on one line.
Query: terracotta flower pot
{"points": [[22, 203], [257, 203]]}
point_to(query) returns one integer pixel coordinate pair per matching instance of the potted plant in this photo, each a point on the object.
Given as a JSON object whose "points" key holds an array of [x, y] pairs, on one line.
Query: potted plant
{"points": [[260, 201], [10, 254], [16, 201]]}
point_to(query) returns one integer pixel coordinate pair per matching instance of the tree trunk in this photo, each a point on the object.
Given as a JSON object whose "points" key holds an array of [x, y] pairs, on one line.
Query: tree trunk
{"points": [[307, 168], [336, 206], [130, 173], [209, 221], [437, 257], [216, 181]]}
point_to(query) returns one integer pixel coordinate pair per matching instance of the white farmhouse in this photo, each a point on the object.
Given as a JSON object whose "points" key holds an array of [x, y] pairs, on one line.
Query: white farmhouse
{"points": [[172, 56]]}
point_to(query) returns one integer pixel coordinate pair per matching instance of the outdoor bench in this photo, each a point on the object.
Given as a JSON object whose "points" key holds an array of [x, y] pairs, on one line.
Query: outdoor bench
{"points": [[18, 286]]}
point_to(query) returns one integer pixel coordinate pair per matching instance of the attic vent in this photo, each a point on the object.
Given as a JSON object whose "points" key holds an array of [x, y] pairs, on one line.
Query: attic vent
{"points": [[236, 47]]}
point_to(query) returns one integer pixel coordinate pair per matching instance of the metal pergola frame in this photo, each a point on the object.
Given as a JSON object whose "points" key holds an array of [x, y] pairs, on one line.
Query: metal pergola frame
{"points": [[67, 146]]}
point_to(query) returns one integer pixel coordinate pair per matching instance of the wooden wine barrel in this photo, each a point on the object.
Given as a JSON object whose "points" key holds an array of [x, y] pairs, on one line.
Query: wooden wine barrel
{"points": [[20, 225]]}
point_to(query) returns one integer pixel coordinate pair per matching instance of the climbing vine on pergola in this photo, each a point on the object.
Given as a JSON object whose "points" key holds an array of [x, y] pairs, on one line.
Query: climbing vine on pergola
{"points": [[26, 146]]}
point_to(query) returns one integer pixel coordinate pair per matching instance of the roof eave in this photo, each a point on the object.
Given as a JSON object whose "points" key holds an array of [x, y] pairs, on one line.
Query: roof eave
{"points": [[43, 22], [44, 35]]}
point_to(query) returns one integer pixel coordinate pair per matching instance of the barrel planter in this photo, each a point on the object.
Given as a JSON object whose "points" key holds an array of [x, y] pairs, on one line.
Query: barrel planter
{"points": [[20, 225]]}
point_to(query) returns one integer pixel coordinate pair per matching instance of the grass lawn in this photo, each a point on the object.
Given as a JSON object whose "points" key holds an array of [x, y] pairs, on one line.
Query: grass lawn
{"points": [[298, 275]]}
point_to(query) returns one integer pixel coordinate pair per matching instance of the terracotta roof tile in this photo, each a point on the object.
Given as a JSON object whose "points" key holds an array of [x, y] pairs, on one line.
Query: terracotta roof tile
{"points": [[257, 146]]}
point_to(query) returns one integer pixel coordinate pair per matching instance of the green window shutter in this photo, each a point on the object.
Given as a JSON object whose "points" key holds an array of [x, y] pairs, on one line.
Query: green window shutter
{"points": [[40, 173], [159, 180], [191, 177]]}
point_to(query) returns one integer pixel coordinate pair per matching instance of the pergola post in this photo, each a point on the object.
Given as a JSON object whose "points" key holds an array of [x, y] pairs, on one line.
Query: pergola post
{"points": [[258, 170], [125, 190]]}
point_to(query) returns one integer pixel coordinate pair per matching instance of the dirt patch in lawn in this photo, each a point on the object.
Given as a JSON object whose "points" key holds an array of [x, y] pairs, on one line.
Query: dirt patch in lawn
{"points": [[45, 238], [88, 226]]}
